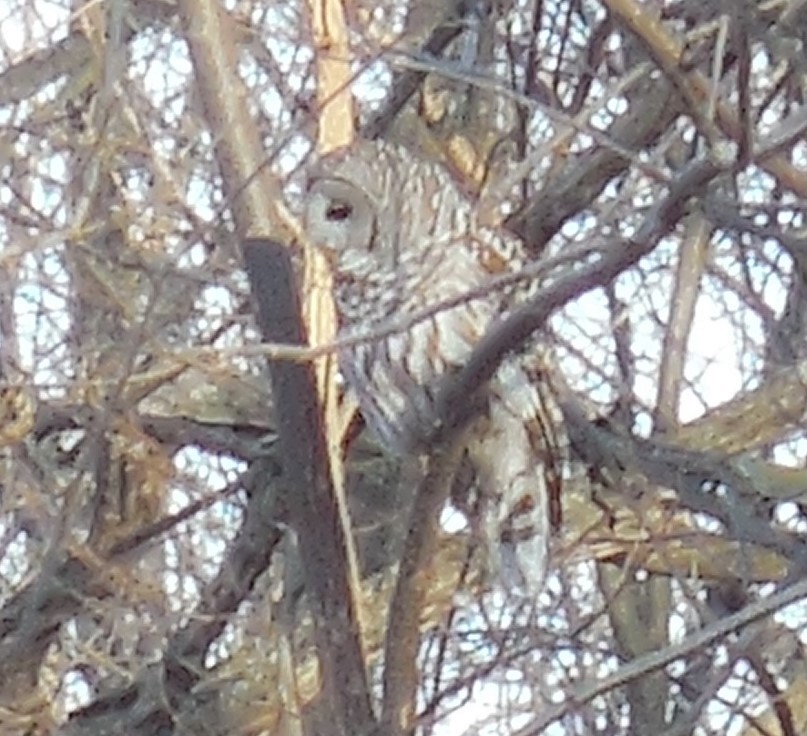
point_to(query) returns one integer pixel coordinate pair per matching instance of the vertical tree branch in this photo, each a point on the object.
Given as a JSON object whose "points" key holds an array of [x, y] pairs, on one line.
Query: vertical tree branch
{"points": [[311, 500]]}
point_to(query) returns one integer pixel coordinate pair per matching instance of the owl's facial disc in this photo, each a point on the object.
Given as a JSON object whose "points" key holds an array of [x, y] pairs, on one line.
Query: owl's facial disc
{"points": [[340, 219]]}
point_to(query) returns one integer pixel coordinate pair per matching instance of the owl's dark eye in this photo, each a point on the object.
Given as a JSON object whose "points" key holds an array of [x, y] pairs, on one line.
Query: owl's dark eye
{"points": [[338, 211]]}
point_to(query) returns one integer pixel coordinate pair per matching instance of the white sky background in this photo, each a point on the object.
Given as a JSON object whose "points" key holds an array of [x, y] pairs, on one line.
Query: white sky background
{"points": [[718, 363]]}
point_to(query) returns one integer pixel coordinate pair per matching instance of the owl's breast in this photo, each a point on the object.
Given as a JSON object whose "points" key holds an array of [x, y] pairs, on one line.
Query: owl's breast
{"points": [[396, 375], [417, 322], [365, 299]]}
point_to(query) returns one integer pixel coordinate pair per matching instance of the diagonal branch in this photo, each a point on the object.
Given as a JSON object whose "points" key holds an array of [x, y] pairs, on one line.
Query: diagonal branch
{"points": [[402, 642], [656, 660], [406, 83], [453, 408]]}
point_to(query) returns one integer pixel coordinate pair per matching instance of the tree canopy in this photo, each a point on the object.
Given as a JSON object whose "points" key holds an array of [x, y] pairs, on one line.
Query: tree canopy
{"points": [[198, 536]]}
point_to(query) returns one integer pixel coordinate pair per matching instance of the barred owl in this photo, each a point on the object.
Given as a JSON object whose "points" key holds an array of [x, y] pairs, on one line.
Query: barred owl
{"points": [[400, 236]]}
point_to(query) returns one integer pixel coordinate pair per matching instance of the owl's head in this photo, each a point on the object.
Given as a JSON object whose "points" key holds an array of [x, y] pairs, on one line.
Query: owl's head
{"points": [[376, 201], [383, 217], [352, 201], [351, 211], [339, 216]]}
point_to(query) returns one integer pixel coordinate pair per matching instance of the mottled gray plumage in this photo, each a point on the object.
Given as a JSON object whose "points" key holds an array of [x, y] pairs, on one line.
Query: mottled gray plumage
{"points": [[401, 236]]}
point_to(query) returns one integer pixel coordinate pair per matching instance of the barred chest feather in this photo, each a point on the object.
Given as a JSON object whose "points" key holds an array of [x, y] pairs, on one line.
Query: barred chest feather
{"points": [[396, 376]]}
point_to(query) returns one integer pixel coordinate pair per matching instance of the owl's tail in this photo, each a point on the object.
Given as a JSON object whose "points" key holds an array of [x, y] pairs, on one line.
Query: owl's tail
{"points": [[511, 452]]}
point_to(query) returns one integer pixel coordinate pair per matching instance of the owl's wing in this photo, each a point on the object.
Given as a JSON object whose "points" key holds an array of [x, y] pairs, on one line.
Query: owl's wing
{"points": [[510, 446]]}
